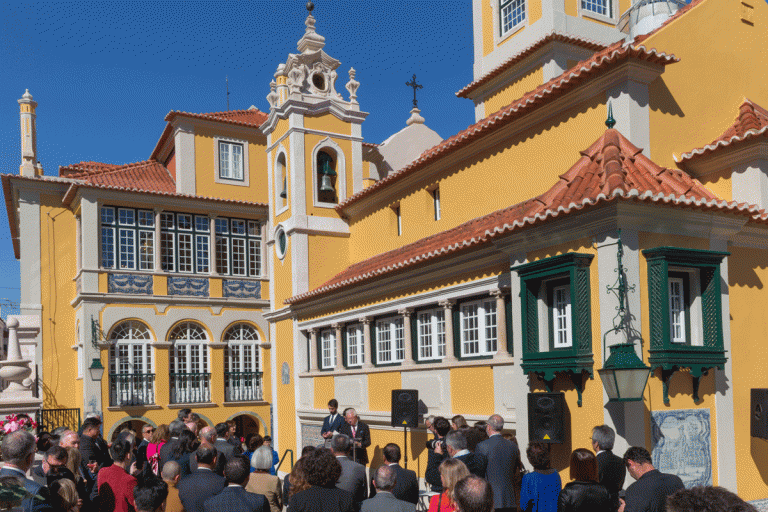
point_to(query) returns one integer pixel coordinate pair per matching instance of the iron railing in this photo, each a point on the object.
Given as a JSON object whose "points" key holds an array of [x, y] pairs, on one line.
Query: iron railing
{"points": [[190, 388], [242, 386], [131, 389], [51, 419]]}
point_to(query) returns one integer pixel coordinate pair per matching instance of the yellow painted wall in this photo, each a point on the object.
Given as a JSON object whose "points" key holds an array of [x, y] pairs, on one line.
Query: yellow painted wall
{"points": [[465, 398], [747, 278], [328, 255], [720, 183], [328, 123], [283, 351], [522, 166], [281, 127], [534, 11], [514, 90], [380, 386], [417, 450], [490, 26], [104, 282], [727, 66], [282, 274], [57, 266], [324, 387], [206, 153]]}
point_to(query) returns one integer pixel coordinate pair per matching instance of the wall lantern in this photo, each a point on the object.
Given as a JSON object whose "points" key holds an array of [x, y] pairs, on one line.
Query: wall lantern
{"points": [[96, 369]]}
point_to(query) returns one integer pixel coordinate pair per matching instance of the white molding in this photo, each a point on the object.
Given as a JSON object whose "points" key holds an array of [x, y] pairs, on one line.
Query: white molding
{"points": [[297, 167], [169, 300], [246, 181], [313, 225], [276, 182], [184, 143], [338, 107], [724, 158], [310, 131], [631, 108]]}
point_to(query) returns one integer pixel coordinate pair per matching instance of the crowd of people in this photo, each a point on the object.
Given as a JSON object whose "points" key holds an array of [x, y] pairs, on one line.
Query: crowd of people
{"points": [[180, 467]]}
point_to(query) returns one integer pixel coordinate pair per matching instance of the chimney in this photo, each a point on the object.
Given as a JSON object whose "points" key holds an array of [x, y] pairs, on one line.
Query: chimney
{"points": [[29, 164]]}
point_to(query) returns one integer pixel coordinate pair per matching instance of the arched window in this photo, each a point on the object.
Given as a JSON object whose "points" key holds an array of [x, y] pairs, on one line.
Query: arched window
{"points": [[282, 181], [131, 380], [242, 376], [326, 176], [190, 377]]}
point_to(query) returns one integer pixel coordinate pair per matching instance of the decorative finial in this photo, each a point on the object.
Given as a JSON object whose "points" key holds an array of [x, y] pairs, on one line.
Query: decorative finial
{"points": [[415, 86], [310, 6], [610, 122]]}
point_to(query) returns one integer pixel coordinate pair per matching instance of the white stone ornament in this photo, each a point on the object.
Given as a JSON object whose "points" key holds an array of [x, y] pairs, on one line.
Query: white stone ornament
{"points": [[352, 86], [272, 97]]}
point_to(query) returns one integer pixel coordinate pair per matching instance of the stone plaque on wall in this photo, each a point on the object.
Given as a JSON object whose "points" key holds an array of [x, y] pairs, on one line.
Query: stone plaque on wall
{"points": [[310, 435], [682, 445]]}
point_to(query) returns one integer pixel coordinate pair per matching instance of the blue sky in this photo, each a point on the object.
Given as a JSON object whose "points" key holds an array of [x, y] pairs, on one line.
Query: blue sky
{"points": [[105, 74]]}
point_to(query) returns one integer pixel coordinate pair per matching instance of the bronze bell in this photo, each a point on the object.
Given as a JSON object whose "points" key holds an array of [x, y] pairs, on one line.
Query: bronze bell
{"points": [[325, 184], [284, 192]]}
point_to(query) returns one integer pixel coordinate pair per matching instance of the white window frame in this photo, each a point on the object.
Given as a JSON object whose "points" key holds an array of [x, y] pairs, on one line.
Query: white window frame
{"points": [[218, 178], [241, 338], [486, 345], [355, 345], [327, 349], [500, 32], [390, 331], [562, 317], [182, 341], [430, 334], [612, 16], [696, 327], [130, 353]]}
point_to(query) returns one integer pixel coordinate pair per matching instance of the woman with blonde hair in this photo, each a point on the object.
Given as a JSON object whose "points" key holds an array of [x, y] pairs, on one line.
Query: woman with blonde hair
{"points": [[261, 482], [161, 436], [451, 471], [458, 421], [65, 496]]}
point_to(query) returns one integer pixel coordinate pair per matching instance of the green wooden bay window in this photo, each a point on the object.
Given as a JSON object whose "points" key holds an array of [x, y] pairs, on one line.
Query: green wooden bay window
{"points": [[557, 317], [685, 312]]}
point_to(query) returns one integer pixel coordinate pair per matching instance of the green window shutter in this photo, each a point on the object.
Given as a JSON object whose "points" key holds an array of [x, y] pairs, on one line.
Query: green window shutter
{"points": [[374, 355], [319, 350], [508, 326], [711, 307], [531, 317], [658, 295], [415, 336], [456, 331], [581, 309], [344, 342]]}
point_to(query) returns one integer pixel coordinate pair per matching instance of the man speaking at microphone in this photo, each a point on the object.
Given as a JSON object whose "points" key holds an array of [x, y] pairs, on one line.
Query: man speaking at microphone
{"points": [[359, 433]]}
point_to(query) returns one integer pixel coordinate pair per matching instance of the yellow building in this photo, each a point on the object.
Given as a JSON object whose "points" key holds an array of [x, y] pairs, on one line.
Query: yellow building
{"points": [[476, 269]]}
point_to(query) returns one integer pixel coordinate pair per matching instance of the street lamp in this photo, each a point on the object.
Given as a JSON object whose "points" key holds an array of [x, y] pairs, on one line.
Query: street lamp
{"points": [[96, 369], [624, 375]]}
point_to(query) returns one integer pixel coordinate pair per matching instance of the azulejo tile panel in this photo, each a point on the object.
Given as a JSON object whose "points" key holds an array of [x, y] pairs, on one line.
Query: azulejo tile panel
{"points": [[241, 289], [130, 283], [194, 286], [310, 435], [682, 445]]}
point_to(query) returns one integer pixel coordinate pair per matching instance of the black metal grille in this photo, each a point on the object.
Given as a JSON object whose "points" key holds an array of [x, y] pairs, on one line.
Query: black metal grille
{"points": [[54, 418]]}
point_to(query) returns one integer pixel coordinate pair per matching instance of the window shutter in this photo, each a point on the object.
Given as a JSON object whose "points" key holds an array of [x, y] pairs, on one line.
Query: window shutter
{"points": [[711, 307], [658, 295], [581, 309], [344, 348], [415, 336], [319, 350], [508, 326], [374, 353], [456, 331], [531, 317]]}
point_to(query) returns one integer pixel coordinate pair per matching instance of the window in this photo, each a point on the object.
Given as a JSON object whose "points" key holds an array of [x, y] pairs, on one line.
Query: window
{"points": [[398, 220], [601, 7], [184, 243], [281, 184], [511, 14], [230, 161], [327, 349], [127, 238], [390, 341], [355, 345], [326, 177], [685, 311], [131, 381], [242, 378], [431, 334], [478, 328], [436, 202], [190, 377], [556, 315]]}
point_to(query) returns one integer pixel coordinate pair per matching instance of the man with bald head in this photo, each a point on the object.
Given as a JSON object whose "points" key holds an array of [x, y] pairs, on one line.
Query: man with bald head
{"points": [[385, 479], [502, 457], [359, 434]]}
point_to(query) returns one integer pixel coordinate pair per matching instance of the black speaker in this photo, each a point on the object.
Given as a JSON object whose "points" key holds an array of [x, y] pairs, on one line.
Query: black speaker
{"points": [[545, 417], [405, 408], [758, 414]]}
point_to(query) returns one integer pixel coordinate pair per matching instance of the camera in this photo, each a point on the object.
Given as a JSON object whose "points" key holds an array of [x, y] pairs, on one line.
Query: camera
{"points": [[432, 444]]}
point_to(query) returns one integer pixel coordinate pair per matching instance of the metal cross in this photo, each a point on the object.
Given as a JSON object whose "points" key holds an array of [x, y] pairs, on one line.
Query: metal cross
{"points": [[415, 86]]}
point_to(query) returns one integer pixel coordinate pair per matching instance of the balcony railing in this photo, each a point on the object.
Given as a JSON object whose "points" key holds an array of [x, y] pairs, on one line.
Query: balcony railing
{"points": [[131, 389], [190, 388], [243, 386]]}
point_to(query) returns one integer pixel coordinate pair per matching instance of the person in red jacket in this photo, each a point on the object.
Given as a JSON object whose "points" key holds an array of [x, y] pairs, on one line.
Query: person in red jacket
{"points": [[115, 482]]}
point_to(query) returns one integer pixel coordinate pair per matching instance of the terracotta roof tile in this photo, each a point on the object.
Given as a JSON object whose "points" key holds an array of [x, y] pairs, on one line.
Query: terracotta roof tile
{"points": [[514, 59], [578, 74], [149, 176], [752, 122], [85, 167], [611, 169], [248, 117]]}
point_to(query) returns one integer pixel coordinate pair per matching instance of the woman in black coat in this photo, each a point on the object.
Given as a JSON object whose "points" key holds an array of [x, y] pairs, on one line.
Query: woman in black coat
{"points": [[584, 494], [321, 470]]}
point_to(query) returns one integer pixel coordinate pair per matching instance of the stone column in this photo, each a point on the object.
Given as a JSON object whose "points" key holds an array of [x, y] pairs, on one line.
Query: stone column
{"points": [[313, 366], [447, 306], [158, 255], [212, 247], [407, 314], [502, 351], [337, 328], [367, 355]]}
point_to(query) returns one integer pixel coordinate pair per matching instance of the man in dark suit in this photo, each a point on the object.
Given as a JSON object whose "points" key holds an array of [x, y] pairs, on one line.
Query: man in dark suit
{"points": [[234, 498], [385, 480], [406, 482], [649, 493], [360, 435], [92, 447], [141, 451], [352, 478], [333, 422], [201, 484], [502, 457], [150, 495], [456, 443], [175, 429], [611, 470], [226, 451], [18, 451]]}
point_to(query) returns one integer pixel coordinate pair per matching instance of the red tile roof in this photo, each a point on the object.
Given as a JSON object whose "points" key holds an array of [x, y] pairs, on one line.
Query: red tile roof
{"points": [[85, 167], [147, 176], [609, 170], [599, 63], [751, 123], [514, 59]]}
